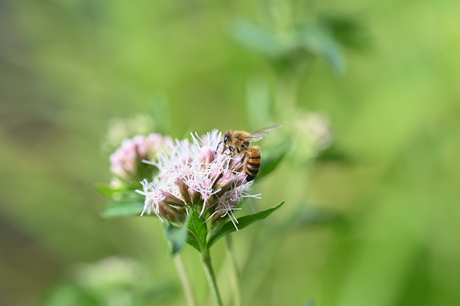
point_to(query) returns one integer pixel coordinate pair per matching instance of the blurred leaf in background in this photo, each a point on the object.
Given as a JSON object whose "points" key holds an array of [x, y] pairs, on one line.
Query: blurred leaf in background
{"points": [[110, 281]]}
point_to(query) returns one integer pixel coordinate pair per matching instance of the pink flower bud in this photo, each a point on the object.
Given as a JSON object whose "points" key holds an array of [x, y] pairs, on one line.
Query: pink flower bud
{"points": [[194, 195], [127, 159], [183, 189], [153, 141], [140, 148], [226, 181], [171, 199], [173, 214], [206, 155], [167, 142]]}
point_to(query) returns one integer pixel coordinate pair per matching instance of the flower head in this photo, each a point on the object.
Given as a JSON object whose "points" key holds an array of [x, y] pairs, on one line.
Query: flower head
{"points": [[193, 175], [126, 161]]}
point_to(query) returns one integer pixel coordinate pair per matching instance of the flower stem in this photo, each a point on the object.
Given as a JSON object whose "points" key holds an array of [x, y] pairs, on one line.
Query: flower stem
{"points": [[234, 271], [186, 286], [211, 277]]}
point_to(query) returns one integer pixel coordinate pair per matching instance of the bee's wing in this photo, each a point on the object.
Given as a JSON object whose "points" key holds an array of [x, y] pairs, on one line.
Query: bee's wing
{"points": [[255, 137], [266, 129]]}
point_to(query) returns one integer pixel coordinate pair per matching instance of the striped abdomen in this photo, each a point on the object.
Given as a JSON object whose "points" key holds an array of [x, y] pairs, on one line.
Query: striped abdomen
{"points": [[251, 168]]}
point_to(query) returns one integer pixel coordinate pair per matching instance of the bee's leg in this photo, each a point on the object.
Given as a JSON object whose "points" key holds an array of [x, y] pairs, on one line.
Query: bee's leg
{"points": [[227, 150], [240, 163], [232, 151]]}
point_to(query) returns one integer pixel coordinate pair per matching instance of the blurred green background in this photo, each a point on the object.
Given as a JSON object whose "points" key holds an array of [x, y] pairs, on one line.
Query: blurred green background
{"points": [[378, 217]]}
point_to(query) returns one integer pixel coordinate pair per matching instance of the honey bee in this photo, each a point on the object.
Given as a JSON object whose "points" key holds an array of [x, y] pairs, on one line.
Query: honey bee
{"points": [[237, 144]]}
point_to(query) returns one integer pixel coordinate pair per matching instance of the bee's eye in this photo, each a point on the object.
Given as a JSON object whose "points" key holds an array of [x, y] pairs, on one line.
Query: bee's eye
{"points": [[226, 138]]}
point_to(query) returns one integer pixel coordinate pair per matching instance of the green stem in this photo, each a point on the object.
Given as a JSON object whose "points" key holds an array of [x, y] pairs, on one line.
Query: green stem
{"points": [[234, 271], [211, 277], [186, 286]]}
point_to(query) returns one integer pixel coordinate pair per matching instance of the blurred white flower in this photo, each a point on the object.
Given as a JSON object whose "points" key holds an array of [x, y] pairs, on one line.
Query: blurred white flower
{"points": [[319, 129], [314, 131]]}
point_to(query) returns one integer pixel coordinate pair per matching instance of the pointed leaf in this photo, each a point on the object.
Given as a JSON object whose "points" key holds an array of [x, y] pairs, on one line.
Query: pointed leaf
{"points": [[309, 215], [126, 189], [334, 154], [319, 41], [255, 37], [123, 208], [197, 232], [310, 302], [106, 190], [242, 223], [177, 235], [348, 30]]}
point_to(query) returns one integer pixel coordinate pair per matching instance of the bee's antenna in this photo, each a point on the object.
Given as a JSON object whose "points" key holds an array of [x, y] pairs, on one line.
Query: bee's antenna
{"points": [[218, 145]]}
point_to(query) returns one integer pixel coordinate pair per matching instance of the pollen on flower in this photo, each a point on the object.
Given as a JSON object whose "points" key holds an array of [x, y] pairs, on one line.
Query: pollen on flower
{"points": [[193, 175]]}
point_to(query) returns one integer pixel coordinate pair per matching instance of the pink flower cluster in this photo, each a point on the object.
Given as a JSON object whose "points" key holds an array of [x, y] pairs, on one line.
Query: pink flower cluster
{"points": [[126, 160], [194, 175]]}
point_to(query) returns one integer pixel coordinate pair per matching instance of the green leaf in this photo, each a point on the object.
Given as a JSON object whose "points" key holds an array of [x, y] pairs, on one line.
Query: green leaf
{"points": [[271, 158], [308, 215], [109, 192], [197, 232], [348, 31], [126, 189], [242, 223], [255, 37], [310, 302], [334, 154], [319, 41], [177, 235], [123, 208]]}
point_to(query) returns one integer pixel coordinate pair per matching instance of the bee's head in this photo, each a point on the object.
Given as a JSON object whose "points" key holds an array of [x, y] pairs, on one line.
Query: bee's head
{"points": [[227, 136]]}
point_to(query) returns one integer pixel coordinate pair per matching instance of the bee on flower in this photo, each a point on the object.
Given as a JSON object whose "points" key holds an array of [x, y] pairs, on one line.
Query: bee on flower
{"points": [[193, 175]]}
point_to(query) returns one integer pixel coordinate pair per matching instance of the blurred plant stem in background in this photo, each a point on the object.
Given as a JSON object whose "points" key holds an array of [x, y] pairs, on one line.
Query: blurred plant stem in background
{"points": [[185, 280], [234, 272]]}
